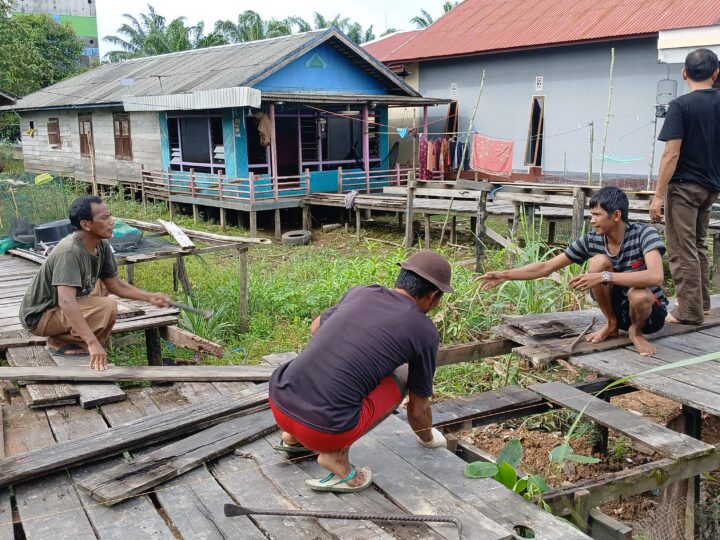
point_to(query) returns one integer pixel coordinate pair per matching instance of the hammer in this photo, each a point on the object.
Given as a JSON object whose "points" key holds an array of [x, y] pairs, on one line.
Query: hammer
{"points": [[204, 313]]}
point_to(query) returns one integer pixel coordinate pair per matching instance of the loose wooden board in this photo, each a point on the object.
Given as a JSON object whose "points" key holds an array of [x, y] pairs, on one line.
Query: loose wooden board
{"points": [[40, 395], [91, 395]]}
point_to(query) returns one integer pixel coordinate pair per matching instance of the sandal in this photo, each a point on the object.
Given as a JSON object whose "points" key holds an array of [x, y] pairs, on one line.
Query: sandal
{"points": [[339, 485], [291, 448], [66, 349]]}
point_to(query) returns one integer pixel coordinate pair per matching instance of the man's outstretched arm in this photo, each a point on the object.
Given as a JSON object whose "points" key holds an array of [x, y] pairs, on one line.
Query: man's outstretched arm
{"points": [[529, 271]]}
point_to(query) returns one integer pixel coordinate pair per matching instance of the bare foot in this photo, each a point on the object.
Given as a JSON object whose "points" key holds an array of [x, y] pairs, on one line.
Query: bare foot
{"points": [[670, 318], [289, 440], [643, 346], [361, 475], [601, 335]]}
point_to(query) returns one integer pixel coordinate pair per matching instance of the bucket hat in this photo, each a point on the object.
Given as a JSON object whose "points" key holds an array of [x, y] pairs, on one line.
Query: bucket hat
{"points": [[431, 266]]}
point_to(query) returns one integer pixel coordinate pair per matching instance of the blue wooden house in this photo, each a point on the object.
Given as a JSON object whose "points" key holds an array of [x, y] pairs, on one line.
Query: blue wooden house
{"points": [[251, 126]]}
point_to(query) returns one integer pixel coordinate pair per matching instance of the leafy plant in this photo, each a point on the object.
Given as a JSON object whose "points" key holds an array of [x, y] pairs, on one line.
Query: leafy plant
{"points": [[505, 471]]}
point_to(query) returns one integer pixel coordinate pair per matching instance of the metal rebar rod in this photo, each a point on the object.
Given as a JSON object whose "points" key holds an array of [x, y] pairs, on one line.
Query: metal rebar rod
{"points": [[233, 510]]}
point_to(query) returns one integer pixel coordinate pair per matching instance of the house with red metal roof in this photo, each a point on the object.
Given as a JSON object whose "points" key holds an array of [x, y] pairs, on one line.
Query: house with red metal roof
{"points": [[547, 66]]}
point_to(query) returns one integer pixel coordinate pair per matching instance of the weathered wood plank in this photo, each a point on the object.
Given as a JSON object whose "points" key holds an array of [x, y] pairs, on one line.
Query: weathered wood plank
{"points": [[143, 432], [6, 515], [661, 439], [91, 395], [470, 352], [178, 235], [48, 507], [82, 373], [110, 485], [135, 518], [188, 340], [40, 395]]}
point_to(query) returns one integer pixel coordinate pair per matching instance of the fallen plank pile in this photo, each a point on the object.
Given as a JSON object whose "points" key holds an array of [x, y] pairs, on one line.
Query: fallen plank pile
{"points": [[545, 337]]}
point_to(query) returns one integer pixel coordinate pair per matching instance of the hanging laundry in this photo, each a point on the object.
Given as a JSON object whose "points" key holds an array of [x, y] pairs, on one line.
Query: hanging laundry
{"points": [[444, 159], [431, 158], [458, 161], [264, 128], [423, 158], [402, 132], [492, 156]]}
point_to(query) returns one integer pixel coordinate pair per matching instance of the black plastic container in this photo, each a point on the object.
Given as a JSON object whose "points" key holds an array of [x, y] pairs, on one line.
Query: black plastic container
{"points": [[53, 232]]}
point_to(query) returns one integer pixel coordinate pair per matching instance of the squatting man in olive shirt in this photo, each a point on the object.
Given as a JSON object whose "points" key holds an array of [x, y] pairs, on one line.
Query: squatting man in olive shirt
{"points": [[64, 302]]}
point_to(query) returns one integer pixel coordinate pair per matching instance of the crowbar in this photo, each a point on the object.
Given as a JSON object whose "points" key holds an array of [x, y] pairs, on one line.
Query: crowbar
{"points": [[569, 349], [233, 510]]}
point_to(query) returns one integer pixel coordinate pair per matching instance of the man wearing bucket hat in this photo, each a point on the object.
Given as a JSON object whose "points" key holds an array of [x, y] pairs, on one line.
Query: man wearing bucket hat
{"points": [[368, 351]]}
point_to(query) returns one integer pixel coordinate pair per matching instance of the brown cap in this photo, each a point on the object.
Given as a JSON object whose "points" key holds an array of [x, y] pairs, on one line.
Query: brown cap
{"points": [[431, 266]]}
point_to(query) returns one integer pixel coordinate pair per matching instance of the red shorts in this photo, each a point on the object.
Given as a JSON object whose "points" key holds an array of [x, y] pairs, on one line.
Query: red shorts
{"points": [[378, 404]]}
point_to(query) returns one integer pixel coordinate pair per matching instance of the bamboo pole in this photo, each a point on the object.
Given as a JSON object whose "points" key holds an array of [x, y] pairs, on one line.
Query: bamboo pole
{"points": [[592, 148], [609, 111], [470, 125]]}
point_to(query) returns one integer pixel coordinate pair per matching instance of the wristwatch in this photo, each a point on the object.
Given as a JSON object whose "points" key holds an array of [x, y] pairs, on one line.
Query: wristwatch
{"points": [[606, 277]]}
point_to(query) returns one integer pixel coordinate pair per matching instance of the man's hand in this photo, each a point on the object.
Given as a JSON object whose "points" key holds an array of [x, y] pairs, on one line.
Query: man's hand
{"points": [[490, 280], [586, 281], [656, 209], [436, 439], [159, 300], [98, 356]]}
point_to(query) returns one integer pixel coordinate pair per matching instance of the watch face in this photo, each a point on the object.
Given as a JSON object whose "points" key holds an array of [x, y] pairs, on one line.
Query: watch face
{"points": [[605, 276]]}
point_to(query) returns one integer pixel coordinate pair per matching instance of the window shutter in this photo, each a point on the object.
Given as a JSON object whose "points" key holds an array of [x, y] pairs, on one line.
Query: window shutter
{"points": [[53, 127]]}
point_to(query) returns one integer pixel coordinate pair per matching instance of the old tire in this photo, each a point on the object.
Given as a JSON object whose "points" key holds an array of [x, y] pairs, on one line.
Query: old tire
{"points": [[296, 238]]}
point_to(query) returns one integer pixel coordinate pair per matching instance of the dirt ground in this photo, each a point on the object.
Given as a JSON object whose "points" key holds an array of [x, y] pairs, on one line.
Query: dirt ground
{"points": [[641, 512]]}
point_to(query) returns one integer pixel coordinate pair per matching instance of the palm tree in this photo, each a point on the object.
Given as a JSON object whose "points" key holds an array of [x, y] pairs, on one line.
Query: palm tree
{"points": [[250, 26], [356, 33], [320, 22], [423, 20]]}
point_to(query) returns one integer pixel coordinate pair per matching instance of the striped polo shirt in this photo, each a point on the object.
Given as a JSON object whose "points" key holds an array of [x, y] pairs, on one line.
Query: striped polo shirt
{"points": [[638, 240]]}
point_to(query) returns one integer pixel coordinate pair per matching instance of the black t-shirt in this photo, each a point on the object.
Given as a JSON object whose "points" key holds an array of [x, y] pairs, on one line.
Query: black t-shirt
{"points": [[361, 340], [695, 118]]}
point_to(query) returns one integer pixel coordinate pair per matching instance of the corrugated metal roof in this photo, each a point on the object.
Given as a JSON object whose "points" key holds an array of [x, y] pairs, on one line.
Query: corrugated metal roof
{"points": [[212, 68], [308, 97], [479, 26], [382, 47]]}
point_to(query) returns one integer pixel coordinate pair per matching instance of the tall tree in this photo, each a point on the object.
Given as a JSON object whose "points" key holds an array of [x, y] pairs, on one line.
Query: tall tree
{"points": [[425, 19], [251, 26], [357, 34], [150, 34]]}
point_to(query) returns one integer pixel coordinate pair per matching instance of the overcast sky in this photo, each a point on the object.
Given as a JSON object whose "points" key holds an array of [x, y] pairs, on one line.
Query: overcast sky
{"points": [[381, 14]]}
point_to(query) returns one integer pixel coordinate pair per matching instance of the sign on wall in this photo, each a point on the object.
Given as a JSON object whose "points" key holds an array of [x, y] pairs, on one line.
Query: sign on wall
{"points": [[453, 90], [539, 83]]}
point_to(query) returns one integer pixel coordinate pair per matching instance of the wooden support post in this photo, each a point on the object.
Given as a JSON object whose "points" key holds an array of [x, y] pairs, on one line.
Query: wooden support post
{"points": [[223, 218], [427, 231], [368, 213], [581, 509], [182, 276], [689, 423], [340, 180], [400, 221], [366, 146], [480, 231], [552, 225], [578, 216], [153, 347], [306, 218], [253, 224], [273, 152], [529, 211], [196, 213], [278, 226], [515, 220], [143, 197], [453, 230], [130, 270], [409, 214], [601, 442], [169, 195], [243, 271], [251, 186], [358, 223]]}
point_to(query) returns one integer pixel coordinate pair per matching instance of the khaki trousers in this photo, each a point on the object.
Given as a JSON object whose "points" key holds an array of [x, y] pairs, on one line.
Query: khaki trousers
{"points": [[687, 214], [98, 310]]}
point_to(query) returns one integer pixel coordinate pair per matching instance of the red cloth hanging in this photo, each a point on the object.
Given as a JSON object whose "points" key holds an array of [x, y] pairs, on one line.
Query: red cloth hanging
{"points": [[492, 156]]}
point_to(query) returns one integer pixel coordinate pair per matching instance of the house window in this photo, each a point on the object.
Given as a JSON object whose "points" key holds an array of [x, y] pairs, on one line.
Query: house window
{"points": [[533, 149], [86, 134], [196, 142], [53, 127], [121, 127]]}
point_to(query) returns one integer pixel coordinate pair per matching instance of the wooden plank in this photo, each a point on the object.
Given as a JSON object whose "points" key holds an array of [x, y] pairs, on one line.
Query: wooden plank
{"points": [[6, 514], [194, 501], [91, 395], [135, 518], [19, 338], [661, 439], [430, 192], [489, 497], [40, 395], [470, 352], [178, 235], [110, 485], [603, 527], [290, 481], [48, 507], [623, 363], [278, 359], [82, 373], [141, 433], [188, 340]]}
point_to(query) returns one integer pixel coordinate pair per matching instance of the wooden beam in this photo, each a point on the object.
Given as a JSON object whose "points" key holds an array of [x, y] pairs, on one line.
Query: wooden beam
{"points": [[201, 235], [470, 352], [91, 395], [603, 527], [136, 373], [188, 340], [178, 235], [144, 432], [113, 485]]}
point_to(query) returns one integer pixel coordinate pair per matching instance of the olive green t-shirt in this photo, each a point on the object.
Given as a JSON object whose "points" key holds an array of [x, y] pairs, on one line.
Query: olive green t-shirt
{"points": [[71, 264]]}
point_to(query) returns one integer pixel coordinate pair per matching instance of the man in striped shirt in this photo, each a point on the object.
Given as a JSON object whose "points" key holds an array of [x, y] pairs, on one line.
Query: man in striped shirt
{"points": [[624, 274]]}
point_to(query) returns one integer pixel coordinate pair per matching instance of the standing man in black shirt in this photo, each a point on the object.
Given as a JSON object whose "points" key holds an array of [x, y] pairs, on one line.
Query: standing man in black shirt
{"points": [[688, 184], [367, 352]]}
